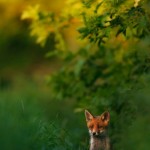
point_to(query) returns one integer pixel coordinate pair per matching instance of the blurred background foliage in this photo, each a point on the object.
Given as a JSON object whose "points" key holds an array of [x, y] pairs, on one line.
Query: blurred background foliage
{"points": [[88, 54]]}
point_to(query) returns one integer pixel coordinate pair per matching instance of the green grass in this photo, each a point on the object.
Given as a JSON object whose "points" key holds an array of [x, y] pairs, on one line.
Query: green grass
{"points": [[30, 119], [20, 115]]}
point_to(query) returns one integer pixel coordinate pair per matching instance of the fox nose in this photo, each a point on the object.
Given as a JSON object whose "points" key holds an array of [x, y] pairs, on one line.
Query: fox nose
{"points": [[95, 133]]}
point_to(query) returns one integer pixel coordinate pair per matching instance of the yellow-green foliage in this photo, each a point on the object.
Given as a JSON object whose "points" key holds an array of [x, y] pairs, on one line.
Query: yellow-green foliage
{"points": [[44, 23]]}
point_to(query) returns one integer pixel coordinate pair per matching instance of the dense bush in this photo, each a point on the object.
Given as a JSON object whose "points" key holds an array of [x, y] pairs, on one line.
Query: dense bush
{"points": [[111, 71]]}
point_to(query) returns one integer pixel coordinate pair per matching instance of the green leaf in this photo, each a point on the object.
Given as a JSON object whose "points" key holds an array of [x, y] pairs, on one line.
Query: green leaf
{"points": [[78, 67]]}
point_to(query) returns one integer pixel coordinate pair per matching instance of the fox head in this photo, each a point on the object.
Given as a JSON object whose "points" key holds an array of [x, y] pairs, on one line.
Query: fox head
{"points": [[97, 125]]}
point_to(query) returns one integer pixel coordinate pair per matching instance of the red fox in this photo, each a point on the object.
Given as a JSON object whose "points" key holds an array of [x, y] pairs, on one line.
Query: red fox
{"points": [[97, 126]]}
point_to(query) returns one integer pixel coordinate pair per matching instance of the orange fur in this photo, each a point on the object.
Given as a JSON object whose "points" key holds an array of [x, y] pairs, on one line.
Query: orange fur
{"points": [[97, 126]]}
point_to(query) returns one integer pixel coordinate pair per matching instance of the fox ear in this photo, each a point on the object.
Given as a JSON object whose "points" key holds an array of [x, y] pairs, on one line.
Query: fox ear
{"points": [[105, 117], [88, 115]]}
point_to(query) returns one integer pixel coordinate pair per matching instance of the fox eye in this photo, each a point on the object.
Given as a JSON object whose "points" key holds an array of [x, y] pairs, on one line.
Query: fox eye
{"points": [[91, 126]]}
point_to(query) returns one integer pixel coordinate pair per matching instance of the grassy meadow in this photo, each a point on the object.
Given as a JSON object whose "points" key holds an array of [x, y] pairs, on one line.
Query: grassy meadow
{"points": [[30, 119]]}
